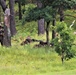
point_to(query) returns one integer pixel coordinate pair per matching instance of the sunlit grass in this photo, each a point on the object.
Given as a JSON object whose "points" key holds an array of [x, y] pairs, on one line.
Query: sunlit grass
{"points": [[27, 60]]}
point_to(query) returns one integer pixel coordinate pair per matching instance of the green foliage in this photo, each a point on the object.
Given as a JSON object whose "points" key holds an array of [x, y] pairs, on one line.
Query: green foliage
{"points": [[23, 2], [64, 40], [47, 2], [59, 3], [29, 7], [61, 26], [38, 13], [64, 3]]}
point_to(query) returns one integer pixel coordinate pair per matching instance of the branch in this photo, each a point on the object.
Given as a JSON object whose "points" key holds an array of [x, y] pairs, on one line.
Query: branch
{"points": [[72, 24]]}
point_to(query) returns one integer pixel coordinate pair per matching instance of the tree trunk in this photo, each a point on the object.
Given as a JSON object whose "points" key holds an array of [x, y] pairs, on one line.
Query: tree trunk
{"points": [[3, 4], [19, 7], [62, 56], [12, 18], [0, 14], [41, 28], [6, 39], [41, 22], [61, 12], [53, 31], [47, 32]]}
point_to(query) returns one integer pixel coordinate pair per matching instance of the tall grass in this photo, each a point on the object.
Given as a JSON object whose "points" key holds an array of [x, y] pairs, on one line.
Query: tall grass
{"points": [[27, 60]]}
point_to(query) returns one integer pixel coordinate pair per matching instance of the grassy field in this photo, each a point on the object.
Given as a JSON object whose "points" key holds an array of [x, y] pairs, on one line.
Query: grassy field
{"points": [[26, 60], [29, 60]]}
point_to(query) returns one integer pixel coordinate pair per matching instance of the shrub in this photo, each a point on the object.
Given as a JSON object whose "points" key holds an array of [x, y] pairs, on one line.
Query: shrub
{"points": [[64, 41]]}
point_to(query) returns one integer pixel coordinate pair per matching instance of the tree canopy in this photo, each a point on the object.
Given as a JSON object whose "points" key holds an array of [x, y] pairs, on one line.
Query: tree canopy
{"points": [[38, 13]]}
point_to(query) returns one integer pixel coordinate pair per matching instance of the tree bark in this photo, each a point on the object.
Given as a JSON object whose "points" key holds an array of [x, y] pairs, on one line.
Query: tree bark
{"points": [[0, 14], [6, 39], [3, 4], [12, 18], [53, 31], [19, 7], [41, 22], [41, 28], [61, 12], [47, 32]]}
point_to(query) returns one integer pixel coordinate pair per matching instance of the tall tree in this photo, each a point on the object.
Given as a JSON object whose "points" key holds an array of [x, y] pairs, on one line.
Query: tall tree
{"points": [[12, 18], [6, 39], [47, 32], [41, 22], [19, 7], [54, 23]]}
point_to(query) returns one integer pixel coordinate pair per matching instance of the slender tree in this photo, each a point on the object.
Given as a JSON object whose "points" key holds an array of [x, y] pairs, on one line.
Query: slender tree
{"points": [[53, 23], [20, 4], [0, 14], [19, 7], [47, 32]]}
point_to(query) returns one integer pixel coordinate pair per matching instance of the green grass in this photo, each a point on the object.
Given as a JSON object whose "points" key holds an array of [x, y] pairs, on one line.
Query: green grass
{"points": [[26, 60], [61, 73]]}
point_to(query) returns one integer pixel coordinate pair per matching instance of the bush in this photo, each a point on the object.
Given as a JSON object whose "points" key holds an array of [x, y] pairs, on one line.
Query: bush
{"points": [[64, 41]]}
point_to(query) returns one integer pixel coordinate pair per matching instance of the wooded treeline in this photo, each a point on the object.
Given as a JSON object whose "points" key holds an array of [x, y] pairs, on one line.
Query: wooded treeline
{"points": [[50, 8]]}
